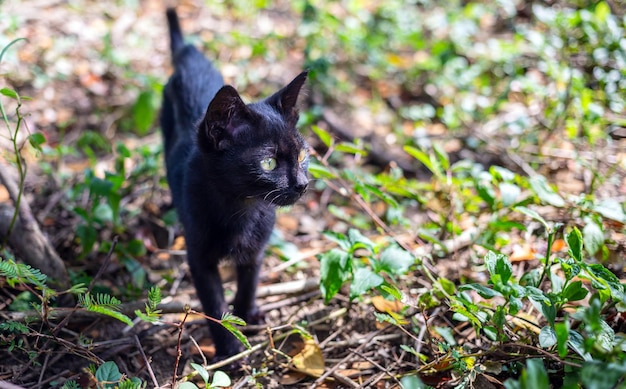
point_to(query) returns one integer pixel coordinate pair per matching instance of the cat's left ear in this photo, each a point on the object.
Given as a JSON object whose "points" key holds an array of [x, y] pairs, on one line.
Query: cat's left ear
{"points": [[285, 99]]}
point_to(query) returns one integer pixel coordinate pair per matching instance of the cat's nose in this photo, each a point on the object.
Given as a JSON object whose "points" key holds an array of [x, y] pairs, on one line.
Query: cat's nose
{"points": [[301, 184], [301, 187]]}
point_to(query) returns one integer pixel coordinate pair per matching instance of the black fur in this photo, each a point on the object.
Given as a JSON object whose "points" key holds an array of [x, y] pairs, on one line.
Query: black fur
{"points": [[225, 198]]}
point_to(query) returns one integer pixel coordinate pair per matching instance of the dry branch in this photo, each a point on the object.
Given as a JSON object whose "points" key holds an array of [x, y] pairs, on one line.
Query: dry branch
{"points": [[26, 238]]}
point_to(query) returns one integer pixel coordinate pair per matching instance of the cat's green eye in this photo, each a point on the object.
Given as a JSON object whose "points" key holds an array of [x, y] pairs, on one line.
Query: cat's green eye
{"points": [[302, 155], [268, 164]]}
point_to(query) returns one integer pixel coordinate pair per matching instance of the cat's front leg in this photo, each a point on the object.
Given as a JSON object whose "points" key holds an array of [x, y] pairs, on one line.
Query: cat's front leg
{"points": [[211, 294], [245, 300]]}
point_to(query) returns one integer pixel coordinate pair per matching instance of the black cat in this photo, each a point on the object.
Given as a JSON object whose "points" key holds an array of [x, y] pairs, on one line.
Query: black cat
{"points": [[229, 165]]}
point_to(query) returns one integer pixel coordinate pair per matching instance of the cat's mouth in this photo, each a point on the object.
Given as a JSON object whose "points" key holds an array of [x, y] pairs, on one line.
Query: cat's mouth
{"points": [[284, 198]]}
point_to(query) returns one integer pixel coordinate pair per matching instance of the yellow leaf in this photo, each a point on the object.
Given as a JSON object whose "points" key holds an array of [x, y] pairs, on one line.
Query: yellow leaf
{"points": [[310, 360]]}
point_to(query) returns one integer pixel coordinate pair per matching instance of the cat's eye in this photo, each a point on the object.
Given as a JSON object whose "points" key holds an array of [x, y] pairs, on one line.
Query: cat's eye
{"points": [[268, 164], [302, 155]]}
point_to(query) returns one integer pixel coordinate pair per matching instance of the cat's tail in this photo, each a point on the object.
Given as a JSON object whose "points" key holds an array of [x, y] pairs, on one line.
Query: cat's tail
{"points": [[176, 34]]}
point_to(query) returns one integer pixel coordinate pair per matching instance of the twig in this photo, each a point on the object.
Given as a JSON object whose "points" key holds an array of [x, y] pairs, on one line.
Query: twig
{"points": [[147, 362], [378, 365], [179, 353], [288, 287], [336, 366]]}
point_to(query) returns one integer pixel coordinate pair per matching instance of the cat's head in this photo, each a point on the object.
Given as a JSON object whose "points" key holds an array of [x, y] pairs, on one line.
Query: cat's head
{"points": [[255, 150]]}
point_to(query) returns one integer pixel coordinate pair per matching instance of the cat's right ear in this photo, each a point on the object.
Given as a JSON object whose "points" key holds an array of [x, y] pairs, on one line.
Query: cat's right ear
{"points": [[225, 116]]}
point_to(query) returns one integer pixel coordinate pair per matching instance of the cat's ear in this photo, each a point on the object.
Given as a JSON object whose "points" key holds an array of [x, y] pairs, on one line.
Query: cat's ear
{"points": [[225, 116], [285, 99]]}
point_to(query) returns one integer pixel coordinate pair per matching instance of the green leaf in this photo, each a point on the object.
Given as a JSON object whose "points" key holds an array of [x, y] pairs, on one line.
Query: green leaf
{"points": [[103, 213], [220, 380], [392, 290], [334, 271], [9, 93], [509, 193], [535, 375], [447, 334], [396, 260], [545, 193], [364, 280], [237, 333], [324, 135], [602, 375], [412, 382], [499, 264], [561, 331], [36, 140], [547, 337], [424, 159], [187, 385], [108, 372], [144, 112], [482, 290], [610, 209], [574, 291], [575, 243], [201, 371], [593, 237], [534, 215], [320, 171]]}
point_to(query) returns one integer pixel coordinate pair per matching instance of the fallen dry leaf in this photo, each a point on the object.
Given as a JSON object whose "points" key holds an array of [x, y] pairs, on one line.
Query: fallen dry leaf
{"points": [[310, 360]]}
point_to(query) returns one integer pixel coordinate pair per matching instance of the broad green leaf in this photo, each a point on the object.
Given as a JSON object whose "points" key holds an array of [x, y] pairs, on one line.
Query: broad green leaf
{"points": [[536, 294], [324, 135], [108, 372], [144, 112], [201, 371], [425, 159], [103, 213], [333, 272], [220, 380], [482, 290], [545, 193], [610, 209], [577, 343], [499, 264], [547, 337], [392, 290], [396, 260], [602, 375], [412, 382], [575, 291], [9, 93], [187, 385], [447, 334], [593, 237], [562, 332], [534, 215], [350, 148], [574, 241], [36, 140], [320, 171], [364, 280], [359, 240], [535, 375], [509, 193]]}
